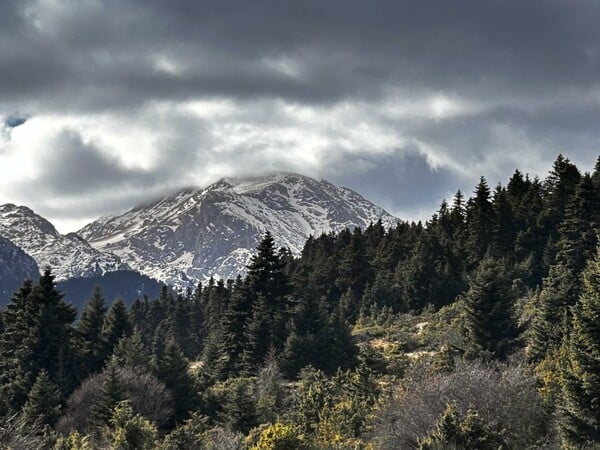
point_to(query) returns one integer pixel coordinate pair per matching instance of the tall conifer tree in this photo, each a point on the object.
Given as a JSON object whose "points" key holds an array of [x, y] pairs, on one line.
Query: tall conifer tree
{"points": [[39, 337], [479, 213], [14, 350], [116, 325], [269, 287], [91, 345], [258, 335], [580, 412], [173, 370], [488, 307], [578, 239], [43, 405], [231, 339]]}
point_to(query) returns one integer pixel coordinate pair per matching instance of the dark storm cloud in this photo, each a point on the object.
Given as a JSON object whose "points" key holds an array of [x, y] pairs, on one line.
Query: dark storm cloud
{"points": [[105, 50], [481, 87]]}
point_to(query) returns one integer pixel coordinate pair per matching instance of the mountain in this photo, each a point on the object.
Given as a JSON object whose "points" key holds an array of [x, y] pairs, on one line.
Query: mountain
{"points": [[196, 233], [15, 266], [69, 255]]}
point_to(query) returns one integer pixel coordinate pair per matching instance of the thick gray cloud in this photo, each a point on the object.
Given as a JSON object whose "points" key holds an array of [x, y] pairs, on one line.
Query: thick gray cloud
{"points": [[403, 101], [88, 170]]}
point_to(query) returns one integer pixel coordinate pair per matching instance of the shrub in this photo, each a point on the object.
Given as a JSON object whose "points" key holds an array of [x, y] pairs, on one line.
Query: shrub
{"points": [[148, 397], [279, 436], [505, 398]]}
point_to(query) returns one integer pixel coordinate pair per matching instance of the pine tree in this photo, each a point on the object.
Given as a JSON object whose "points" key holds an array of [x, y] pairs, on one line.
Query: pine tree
{"points": [[43, 405], [258, 335], [131, 352], [53, 332], [561, 288], [92, 347], [173, 370], [160, 339], [531, 237], [197, 332], [350, 304], [14, 352], [503, 227], [381, 293], [116, 325], [479, 214], [230, 339], [338, 349], [559, 186], [547, 328], [317, 268], [165, 299], [39, 337], [516, 189], [279, 436], [265, 272], [578, 231], [488, 307], [354, 269], [373, 236], [215, 300], [179, 319], [458, 212], [432, 274], [109, 396], [302, 345], [596, 174], [580, 411], [239, 408], [150, 314], [268, 281]]}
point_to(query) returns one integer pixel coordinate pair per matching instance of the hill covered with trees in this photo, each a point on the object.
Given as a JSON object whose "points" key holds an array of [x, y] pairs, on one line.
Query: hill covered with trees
{"points": [[478, 330]]}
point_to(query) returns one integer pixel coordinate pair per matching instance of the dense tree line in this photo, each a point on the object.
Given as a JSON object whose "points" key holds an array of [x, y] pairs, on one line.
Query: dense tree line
{"points": [[327, 350]]}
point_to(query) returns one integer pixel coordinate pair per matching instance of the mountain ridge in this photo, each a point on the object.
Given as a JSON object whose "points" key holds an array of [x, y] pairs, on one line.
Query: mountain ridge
{"points": [[15, 266], [69, 255], [193, 233]]}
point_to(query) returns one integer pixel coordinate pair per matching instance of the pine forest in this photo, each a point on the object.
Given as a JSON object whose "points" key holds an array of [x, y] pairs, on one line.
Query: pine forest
{"points": [[479, 329]]}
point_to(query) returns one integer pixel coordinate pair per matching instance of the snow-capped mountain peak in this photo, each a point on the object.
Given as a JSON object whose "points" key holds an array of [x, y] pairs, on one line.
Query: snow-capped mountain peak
{"points": [[195, 233]]}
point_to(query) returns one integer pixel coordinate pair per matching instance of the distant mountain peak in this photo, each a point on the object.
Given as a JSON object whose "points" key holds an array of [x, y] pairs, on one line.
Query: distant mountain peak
{"points": [[69, 255], [195, 233]]}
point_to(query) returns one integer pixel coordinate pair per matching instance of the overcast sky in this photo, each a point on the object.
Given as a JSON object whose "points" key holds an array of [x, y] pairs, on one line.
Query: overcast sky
{"points": [[106, 103]]}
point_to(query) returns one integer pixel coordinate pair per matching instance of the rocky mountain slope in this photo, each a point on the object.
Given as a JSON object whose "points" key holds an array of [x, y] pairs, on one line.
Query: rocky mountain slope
{"points": [[196, 233], [70, 256], [15, 266]]}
